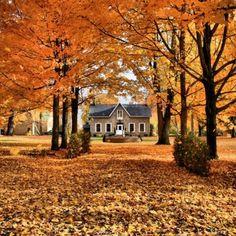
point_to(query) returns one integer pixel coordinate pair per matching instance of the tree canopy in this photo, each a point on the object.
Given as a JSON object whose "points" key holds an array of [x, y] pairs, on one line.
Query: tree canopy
{"points": [[183, 52]]}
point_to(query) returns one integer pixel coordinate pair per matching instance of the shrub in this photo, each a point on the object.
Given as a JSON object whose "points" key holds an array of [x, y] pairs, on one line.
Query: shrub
{"points": [[79, 143], [152, 129], [74, 146], [193, 154], [179, 152], [85, 141]]}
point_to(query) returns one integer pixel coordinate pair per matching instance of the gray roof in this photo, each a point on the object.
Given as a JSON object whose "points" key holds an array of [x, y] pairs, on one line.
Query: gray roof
{"points": [[105, 110]]}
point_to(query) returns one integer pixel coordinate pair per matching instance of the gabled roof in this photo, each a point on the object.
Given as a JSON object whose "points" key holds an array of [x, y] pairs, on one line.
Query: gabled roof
{"points": [[141, 110], [101, 110], [133, 110]]}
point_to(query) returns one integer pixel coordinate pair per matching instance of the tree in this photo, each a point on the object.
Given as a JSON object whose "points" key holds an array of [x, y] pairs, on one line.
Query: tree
{"points": [[217, 64], [55, 52], [211, 26]]}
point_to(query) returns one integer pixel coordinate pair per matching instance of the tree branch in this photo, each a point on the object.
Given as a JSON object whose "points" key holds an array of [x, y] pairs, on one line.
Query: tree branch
{"points": [[220, 109], [222, 46]]}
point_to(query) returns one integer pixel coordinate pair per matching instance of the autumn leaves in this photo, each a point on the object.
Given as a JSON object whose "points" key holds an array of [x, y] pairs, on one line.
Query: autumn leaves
{"points": [[181, 52]]}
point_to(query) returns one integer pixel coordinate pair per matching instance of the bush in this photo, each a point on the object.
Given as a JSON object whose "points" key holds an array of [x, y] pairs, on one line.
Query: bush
{"points": [[79, 143], [193, 154], [179, 152], [74, 146], [152, 129], [85, 141]]}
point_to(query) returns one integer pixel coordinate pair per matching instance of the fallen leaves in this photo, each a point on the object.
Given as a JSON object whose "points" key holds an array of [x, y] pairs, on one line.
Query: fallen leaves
{"points": [[117, 192]]}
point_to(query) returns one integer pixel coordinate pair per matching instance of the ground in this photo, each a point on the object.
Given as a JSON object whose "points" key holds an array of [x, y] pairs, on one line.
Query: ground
{"points": [[118, 189]]}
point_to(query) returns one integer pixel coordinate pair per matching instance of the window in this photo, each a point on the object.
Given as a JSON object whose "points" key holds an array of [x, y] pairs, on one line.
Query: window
{"points": [[131, 127], [109, 128], [98, 128], [120, 115], [141, 127]]}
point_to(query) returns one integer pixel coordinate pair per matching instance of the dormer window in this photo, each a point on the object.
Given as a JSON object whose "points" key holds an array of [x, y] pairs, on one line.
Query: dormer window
{"points": [[119, 115]]}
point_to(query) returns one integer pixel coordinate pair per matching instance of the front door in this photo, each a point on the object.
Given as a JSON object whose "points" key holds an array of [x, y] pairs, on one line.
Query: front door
{"points": [[119, 129]]}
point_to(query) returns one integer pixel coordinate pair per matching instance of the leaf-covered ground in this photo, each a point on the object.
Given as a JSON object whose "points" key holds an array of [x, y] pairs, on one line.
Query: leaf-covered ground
{"points": [[118, 189]]}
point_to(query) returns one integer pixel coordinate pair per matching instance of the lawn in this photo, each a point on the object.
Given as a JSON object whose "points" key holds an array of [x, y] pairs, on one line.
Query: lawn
{"points": [[118, 189]]}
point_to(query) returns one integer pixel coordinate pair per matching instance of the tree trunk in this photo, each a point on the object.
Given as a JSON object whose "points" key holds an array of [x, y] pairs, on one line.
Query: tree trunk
{"points": [[200, 128], [233, 133], [164, 121], [211, 119], [41, 123], [184, 109], [163, 129], [10, 125], [55, 128], [192, 123], [160, 118], [74, 110], [65, 110], [209, 85]]}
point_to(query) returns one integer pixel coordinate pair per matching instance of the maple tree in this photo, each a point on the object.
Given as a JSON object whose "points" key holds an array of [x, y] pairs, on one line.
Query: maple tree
{"points": [[45, 33], [211, 24], [55, 56], [217, 64]]}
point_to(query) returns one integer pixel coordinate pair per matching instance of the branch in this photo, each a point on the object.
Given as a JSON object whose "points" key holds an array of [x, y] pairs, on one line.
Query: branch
{"points": [[162, 38], [201, 53], [228, 92], [214, 29], [233, 61], [225, 80], [220, 109], [192, 35], [222, 46]]}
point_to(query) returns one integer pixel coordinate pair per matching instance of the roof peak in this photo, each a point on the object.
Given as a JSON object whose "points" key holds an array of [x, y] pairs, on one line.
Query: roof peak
{"points": [[115, 104], [133, 110]]}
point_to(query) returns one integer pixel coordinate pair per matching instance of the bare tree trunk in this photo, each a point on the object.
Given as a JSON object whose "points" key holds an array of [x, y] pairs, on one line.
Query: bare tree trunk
{"points": [[163, 129], [74, 110], [211, 119], [184, 109], [65, 122], [204, 48], [200, 128], [10, 125], [160, 123], [233, 133], [41, 123], [55, 128], [162, 126], [192, 122]]}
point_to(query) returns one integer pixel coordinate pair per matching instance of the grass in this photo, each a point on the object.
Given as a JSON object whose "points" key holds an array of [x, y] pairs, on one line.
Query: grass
{"points": [[118, 189]]}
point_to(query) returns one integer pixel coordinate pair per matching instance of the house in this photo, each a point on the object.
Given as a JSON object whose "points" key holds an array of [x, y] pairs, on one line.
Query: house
{"points": [[120, 119], [35, 122]]}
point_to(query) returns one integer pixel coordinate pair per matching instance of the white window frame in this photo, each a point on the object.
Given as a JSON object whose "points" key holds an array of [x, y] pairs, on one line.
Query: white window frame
{"points": [[129, 127], [106, 127], [144, 127], [119, 117], [96, 127]]}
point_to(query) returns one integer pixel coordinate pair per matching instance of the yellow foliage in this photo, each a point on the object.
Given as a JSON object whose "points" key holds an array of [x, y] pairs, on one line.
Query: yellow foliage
{"points": [[128, 189]]}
